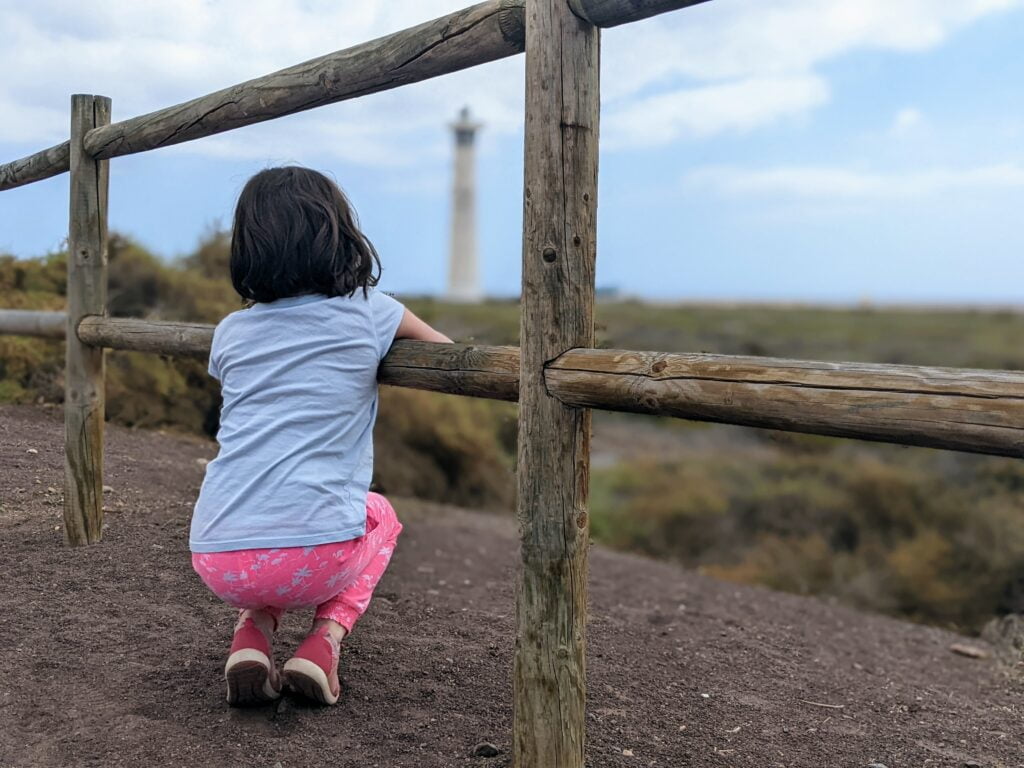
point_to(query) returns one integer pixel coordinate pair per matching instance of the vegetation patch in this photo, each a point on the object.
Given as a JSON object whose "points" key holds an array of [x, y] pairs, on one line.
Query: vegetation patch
{"points": [[931, 535]]}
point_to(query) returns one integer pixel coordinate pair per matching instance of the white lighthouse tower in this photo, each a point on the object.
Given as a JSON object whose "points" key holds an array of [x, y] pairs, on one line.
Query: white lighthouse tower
{"points": [[463, 270]]}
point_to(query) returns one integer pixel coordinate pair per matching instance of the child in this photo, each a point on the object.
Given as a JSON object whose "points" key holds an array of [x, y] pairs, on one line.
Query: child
{"points": [[284, 517]]}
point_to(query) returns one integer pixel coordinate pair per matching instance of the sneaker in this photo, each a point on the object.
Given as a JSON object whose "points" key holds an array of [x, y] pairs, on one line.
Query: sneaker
{"points": [[250, 673], [313, 670]]}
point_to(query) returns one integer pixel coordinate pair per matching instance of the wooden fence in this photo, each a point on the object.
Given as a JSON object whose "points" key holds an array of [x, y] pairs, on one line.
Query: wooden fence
{"points": [[556, 375]]}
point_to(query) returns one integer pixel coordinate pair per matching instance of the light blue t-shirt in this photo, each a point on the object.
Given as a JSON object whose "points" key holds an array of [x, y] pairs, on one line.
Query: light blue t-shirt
{"points": [[299, 379]]}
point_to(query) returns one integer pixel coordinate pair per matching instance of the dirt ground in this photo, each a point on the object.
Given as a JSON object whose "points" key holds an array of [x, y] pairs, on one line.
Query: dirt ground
{"points": [[112, 655]]}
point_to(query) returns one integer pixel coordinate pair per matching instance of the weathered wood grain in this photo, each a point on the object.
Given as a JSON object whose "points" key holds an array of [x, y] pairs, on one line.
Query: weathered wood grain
{"points": [[611, 13], [559, 246], [86, 295], [457, 369], [474, 35], [973, 410], [41, 165], [164, 338], [27, 322], [979, 411]]}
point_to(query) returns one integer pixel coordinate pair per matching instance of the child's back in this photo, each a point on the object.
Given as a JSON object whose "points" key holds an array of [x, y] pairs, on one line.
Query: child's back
{"points": [[299, 381], [284, 518]]}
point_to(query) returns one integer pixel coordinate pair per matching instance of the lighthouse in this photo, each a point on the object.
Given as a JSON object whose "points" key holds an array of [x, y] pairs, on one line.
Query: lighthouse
{"points": [[463, 270]]}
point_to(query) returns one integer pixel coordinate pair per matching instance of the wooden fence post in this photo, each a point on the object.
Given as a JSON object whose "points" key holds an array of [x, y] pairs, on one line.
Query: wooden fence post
{"points": [[559, 246], [87, 295]]}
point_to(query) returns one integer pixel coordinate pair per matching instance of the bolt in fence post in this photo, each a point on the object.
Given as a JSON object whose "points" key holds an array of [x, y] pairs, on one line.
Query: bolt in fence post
{"points": [[559, 248], [86, 295]]}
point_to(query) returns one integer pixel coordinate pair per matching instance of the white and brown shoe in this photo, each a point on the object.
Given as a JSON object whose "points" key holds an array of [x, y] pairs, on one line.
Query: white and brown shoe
{"points": [[250, 673], [313, 670]]}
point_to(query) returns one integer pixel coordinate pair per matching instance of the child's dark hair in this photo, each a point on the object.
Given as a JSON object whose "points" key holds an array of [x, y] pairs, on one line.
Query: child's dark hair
{"points": [[295, 233]]}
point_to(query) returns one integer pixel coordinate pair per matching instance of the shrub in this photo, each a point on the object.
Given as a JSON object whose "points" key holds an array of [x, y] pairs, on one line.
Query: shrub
{"points": [[889, 530], [433, 446]]}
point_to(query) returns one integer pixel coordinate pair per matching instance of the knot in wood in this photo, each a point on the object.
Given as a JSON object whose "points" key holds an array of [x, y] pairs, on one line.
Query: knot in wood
{"points": [[549, 254], [659, 366]]}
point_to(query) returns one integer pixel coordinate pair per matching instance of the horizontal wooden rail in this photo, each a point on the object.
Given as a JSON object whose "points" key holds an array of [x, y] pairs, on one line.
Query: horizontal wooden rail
{"points": [[979, 411], [455, 369], [129, 333], [42, 165], [476, 35], [612, 13], [27, 322]]}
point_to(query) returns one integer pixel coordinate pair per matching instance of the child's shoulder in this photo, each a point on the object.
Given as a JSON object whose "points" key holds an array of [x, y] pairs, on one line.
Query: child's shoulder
{"points": [[370, 302], [229, 319]]}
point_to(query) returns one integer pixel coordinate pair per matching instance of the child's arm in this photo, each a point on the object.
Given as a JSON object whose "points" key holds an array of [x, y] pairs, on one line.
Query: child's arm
{"points": [[412, 327]]}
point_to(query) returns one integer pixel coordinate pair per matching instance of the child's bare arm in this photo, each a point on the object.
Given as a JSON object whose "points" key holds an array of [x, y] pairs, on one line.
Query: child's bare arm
{"points": [[412, 327]]}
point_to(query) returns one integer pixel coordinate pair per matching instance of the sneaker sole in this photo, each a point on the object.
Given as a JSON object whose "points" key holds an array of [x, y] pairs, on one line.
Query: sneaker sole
{"points": [[306, 678], [247, 674]]}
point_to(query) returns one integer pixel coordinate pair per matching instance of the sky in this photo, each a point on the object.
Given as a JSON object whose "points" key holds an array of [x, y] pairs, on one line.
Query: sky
{"points": [[751, 150]]}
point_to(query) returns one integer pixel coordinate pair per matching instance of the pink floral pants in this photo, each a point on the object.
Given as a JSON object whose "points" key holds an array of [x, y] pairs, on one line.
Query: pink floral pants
{"points": [[338, 578]]}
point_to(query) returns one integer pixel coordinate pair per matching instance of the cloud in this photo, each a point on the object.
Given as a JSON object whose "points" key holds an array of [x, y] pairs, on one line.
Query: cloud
{"points": [[731, 39], [743, 47], [705, 111], [151, 55], [731, 65], [816, 183], [906, 121]]}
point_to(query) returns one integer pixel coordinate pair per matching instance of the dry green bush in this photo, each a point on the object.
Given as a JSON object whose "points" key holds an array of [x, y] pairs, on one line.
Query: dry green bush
{"points": [[436, 447], [909, 538], [444, 447], [931, 535]]}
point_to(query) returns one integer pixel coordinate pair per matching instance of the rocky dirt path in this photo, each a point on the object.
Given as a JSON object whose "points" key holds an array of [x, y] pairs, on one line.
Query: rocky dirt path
{"points": [[112, 655]]}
